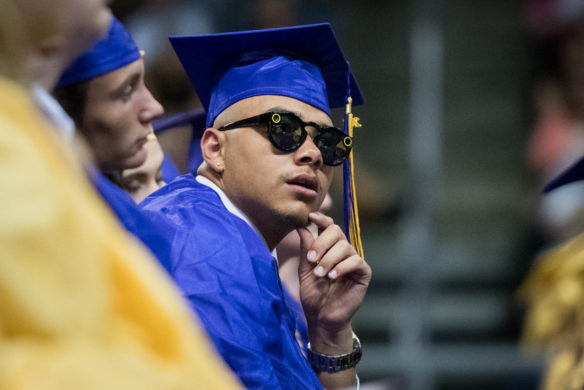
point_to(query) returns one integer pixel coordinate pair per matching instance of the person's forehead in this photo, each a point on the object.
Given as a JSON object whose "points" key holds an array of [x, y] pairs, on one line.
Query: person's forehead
{"points": [[260, 104], [108, 81]]}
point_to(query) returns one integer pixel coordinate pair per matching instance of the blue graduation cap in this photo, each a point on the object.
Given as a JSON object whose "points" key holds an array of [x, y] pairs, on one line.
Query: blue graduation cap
{"points": [[117, 50], [302, 62], [573, 173]]}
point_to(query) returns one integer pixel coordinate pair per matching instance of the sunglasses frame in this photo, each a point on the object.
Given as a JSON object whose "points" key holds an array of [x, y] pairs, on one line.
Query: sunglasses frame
{"points": [[272, 119]]}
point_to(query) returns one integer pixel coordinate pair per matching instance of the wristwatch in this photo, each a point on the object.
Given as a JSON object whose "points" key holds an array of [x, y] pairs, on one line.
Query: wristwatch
{"points": [[336, 363]]}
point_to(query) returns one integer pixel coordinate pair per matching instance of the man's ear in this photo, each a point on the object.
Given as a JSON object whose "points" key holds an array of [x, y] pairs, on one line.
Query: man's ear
{"points": [[212, 149]]}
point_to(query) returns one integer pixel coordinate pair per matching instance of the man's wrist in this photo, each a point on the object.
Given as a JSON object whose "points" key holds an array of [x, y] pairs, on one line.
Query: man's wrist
{"points": [[331, 343], [335, 363]]}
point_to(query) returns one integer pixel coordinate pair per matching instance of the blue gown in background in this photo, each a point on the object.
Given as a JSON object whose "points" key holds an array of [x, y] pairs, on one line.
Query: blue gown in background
{"points": [[231, 281], [124, 207]]}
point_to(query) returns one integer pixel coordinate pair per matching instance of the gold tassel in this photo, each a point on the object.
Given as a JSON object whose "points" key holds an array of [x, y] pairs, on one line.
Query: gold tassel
{"points": [[354, 229]]}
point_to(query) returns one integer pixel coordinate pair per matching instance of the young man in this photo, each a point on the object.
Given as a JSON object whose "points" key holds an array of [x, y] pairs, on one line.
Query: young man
{"points": [[104, 92], [82, 305], [269, 151]]}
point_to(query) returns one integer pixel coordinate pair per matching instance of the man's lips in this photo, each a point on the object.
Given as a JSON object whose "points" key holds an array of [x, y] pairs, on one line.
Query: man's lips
{"points": [[307, 184]]}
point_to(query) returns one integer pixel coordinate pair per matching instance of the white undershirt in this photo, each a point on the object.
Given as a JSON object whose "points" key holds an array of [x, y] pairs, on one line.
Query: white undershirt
{"points": [[53, 111]]}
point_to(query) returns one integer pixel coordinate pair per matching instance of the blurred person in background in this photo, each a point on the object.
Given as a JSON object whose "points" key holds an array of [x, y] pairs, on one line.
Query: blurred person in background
{"points": [[141, 181], [554, 294], [105, 94], [557, 137], [553, 291], [556, 141], [83, 306]]}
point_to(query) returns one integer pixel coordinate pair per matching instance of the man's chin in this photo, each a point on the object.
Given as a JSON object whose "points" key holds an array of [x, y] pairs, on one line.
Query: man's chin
{"points": [[136, 160], [292, 219], [300, 220]]}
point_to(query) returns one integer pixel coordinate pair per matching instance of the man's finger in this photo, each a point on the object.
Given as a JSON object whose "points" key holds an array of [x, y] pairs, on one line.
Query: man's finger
{"points": [[306, 242], [355, 266], [326, 240], [338, 253], [321, 220]]}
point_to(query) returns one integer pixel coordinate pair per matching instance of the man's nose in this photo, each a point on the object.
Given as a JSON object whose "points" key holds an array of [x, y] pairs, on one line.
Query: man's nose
{"points": [[308, 153], [152, 109]]}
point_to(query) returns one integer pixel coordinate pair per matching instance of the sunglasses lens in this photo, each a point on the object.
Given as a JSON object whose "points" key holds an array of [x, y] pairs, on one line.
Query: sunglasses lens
{"points": [[334, 145], [285, 132]]}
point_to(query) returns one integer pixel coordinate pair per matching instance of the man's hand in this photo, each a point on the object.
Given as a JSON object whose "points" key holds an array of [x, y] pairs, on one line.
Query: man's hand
{"points": [[333, 282]]}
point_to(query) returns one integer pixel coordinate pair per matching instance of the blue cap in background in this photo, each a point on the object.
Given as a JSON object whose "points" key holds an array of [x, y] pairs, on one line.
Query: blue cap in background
{"points": [[573, 173], [115, 51]]}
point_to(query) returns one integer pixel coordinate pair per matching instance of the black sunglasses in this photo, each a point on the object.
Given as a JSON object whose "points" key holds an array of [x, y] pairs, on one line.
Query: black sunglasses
{"points": [[287, 132]]}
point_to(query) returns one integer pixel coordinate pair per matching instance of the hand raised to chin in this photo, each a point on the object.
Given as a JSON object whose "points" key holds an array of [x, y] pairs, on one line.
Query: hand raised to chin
{"points": [[333, 281]]}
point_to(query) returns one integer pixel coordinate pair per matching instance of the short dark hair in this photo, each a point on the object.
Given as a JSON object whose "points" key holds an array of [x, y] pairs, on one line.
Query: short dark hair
{"points": [[73, 98]]}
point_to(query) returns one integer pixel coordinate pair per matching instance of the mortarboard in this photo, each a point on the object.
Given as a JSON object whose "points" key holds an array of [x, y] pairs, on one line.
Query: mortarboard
{"points": [[573, 173], [115, 51], [303, 62]]}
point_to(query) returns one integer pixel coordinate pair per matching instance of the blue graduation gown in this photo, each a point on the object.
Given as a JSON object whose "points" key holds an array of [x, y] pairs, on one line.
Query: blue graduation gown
{"points": [[124, 207], [231, 281], [301, 332]]}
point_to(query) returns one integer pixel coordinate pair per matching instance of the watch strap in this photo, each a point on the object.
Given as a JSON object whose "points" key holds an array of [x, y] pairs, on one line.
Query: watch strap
{"points": [[336, 363]]}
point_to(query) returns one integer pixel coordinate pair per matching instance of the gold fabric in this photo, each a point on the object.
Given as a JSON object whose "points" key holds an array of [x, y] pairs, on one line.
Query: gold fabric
{"points": [[554, 294], [82, 304]]}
